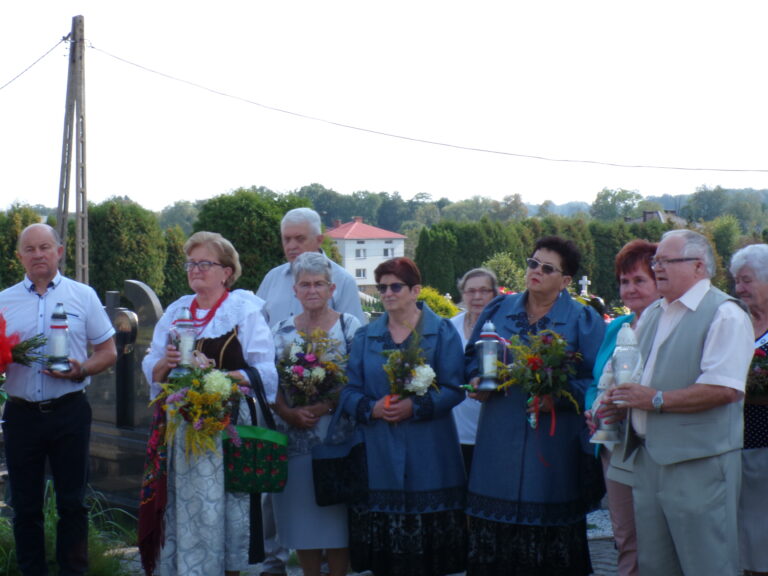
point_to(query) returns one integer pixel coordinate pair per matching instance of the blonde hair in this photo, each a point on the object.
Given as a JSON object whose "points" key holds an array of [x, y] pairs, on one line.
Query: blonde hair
{"points": [[223, 249]]}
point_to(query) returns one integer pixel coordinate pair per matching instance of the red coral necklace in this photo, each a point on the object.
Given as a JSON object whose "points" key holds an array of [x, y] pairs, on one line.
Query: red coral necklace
{"points": [[201, 323]]}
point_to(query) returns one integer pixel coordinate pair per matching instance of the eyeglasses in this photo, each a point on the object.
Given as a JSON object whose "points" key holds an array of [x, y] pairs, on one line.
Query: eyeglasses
{"points": [[472, 292], [546, 268], [395, 287], [663, 262], [203, 265], [319, 285]]}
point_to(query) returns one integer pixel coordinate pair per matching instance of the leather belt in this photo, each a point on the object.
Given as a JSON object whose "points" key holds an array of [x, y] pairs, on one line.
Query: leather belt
{"points": [[47, 406]]}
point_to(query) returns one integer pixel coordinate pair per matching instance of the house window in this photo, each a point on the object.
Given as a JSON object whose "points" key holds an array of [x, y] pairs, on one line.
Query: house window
{"points": [[360, 273], [387, 241], [361, 241], [389, 252], [360, 253]]}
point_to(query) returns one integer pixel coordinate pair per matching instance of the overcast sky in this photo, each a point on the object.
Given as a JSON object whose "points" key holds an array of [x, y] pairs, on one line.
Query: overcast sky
{"points": [[677, 84]]}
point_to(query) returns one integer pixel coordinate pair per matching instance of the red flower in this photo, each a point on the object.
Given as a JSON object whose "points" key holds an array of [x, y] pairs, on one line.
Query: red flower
{"points": [[535, 362], [760, 353]]}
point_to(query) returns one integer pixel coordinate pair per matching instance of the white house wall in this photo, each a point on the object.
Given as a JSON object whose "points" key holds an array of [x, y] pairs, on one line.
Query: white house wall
{"points": [[374, 255]]}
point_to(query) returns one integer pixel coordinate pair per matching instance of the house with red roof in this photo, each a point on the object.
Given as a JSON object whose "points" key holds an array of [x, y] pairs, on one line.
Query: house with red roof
{"points": [[363, 247]]}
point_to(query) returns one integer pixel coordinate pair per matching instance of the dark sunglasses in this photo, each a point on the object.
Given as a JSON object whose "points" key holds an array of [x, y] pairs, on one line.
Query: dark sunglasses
{"points": [[546, 268], [395, 287]]}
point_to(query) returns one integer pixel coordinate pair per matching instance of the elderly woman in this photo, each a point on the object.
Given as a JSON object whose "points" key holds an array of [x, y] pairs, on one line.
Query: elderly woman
{"points": [[478, 287], [749, 267], [413, 521], [302, 525], [206, 529], [527, 500], [637, 288]]}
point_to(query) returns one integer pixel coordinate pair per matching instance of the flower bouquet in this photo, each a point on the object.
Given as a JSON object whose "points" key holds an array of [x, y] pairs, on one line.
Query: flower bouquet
{"points": [[757, 377], [14, 349], [310, 371], [542, 368], [203, 398], [408, 372]]}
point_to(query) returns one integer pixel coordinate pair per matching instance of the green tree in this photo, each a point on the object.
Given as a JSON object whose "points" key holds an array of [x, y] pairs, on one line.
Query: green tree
{"points": [[182, 214], [12, 222], [176, 283], [705, 204], [508, 270], [250, 219], [125, 243], [511, 208], [546, 208], [615, 204], [724, 232]]}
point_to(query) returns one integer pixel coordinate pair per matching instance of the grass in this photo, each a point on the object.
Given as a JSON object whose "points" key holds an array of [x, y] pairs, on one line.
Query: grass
{"points": [[108, 528]]}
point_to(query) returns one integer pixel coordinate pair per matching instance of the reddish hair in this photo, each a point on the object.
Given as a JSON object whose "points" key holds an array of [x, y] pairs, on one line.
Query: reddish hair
{"points": [[635, 253], [404, 268]]}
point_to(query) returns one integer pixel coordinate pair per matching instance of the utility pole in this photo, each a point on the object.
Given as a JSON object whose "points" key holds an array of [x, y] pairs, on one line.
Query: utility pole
{"points": [[74, 124]]}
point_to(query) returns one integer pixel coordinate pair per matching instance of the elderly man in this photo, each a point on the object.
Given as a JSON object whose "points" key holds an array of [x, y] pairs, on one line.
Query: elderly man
{"points": [[300, 232], [686, 423], [47, 415]]}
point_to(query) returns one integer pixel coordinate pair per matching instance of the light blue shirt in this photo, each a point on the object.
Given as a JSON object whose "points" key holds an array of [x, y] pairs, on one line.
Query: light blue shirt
{"points": [[29, 314], [281, 302]]}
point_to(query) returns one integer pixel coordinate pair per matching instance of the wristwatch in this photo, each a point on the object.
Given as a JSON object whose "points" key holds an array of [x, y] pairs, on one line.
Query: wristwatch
{"points": [[658, 401]]}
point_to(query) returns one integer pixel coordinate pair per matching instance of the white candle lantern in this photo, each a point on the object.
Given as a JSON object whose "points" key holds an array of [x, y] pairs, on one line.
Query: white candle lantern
{"points": [[58, 341]]}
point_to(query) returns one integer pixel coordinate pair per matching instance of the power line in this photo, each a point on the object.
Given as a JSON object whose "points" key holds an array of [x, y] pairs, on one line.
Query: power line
{"points": [[20, 74], [422, 140]]}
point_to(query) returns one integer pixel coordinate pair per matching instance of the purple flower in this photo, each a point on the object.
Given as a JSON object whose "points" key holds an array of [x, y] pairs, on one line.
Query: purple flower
{"points": [[198, 425]]}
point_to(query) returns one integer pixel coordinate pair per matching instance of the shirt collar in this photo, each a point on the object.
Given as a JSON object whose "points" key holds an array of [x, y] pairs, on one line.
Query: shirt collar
{"points": [[53, 284], [693, 297]]}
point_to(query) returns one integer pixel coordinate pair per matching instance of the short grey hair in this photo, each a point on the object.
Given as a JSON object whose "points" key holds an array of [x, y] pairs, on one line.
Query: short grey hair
{"points": [[695, 246], [303, 216], [311, 263], [755, 256], [475, 273]]}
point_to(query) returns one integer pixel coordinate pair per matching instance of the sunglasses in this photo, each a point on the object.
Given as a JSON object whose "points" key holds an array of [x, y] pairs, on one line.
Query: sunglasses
{"points": [[546, 268], [395, 287]]}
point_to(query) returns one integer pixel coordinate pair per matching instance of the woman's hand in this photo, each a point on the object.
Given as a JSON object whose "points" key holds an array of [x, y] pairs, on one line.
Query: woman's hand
{"points": [[545, 404], [393, 408], [479, 396], [609, 413], [167, 363], [300, 417], [321, 408]]}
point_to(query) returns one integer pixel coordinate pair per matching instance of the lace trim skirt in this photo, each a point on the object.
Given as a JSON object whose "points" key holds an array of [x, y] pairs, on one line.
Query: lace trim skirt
{"points": [[429, 544], [499, 549]]}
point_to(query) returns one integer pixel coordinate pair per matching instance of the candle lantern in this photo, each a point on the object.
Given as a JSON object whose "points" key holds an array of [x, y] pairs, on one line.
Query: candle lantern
{"points": [[182, 335], [626, 364], [487, 349], [58, 341]]}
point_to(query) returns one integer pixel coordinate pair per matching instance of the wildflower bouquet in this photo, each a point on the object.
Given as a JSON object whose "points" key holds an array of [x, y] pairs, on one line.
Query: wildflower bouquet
{"points": [[203, 398], [542, 368], [408, 372], [757, 377], [310, 371], [14, 349]]}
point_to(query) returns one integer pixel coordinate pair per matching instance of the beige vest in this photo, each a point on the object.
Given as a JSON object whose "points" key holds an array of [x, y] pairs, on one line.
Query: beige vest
{"points": [[674, 437]]}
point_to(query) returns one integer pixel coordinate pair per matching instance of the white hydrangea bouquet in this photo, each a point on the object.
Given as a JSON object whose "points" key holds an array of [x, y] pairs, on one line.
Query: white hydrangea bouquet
{"points": [[203, 398], [408, 372], [311, 369]]}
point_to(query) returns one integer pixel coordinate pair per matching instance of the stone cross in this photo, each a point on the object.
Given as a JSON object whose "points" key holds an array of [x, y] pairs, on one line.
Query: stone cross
{"points": [[584, 283]]}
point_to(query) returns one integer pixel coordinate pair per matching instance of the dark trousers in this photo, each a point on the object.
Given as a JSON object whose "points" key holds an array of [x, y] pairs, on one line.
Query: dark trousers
{"points": [[61, 437]]}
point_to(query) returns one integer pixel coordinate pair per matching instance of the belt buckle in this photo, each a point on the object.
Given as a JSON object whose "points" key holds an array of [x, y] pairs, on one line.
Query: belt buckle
{"points": [[46, 406]]}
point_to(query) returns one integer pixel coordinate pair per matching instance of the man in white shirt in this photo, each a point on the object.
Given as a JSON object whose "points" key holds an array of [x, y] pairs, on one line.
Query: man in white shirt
{"points": [[300, 230], [686, 418], [47, 416]]}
